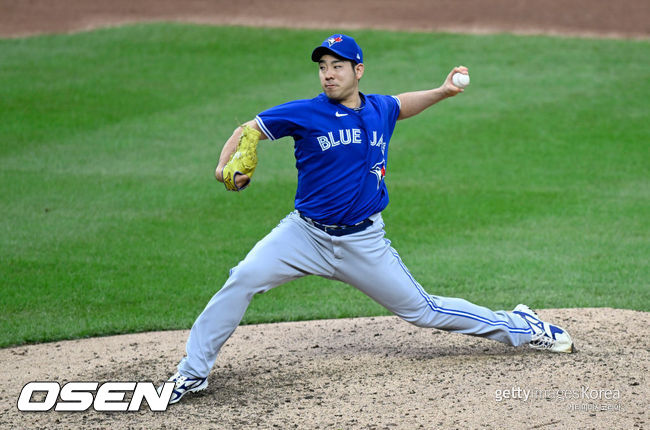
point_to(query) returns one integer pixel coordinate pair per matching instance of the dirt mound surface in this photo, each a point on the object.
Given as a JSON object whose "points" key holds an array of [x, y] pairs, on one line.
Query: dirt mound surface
{"points": [[366, 373]]}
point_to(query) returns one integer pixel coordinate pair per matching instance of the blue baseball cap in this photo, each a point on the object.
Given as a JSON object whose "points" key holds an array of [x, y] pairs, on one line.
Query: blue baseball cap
{"points": [[340, 45]]}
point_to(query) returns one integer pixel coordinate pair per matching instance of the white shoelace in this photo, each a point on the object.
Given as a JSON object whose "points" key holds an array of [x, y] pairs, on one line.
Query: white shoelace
{"points": [[541, 341]]}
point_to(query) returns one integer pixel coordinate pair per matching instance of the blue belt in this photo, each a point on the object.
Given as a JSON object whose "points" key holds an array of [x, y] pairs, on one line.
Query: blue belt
{"points": [[339, 230]]}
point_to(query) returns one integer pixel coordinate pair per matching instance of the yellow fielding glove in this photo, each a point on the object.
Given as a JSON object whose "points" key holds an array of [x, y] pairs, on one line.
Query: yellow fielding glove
{"points": [[243, 161]]}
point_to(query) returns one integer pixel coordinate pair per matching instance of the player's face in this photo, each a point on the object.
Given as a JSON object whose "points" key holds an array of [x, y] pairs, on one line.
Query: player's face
{"points": [[340, 79]]}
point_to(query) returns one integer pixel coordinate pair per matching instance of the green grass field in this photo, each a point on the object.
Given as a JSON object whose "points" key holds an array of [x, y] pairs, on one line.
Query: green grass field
{"points": [[533, 186]]}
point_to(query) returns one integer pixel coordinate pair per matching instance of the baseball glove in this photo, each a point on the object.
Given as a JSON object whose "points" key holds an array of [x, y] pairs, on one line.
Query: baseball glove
{"points": [[243, 161]]}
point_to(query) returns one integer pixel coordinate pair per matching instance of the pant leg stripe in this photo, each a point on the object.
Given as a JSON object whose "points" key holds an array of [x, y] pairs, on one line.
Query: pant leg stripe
{"points": [[454, 312]]}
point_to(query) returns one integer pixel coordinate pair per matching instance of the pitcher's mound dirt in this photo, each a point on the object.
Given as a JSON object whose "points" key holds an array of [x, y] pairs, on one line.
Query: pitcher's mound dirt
{"points": [[360, 373]]}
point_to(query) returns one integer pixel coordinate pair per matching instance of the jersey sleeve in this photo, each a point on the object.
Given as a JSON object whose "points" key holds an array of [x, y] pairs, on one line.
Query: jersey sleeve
{"points": [[281, 120], [394, 107]]}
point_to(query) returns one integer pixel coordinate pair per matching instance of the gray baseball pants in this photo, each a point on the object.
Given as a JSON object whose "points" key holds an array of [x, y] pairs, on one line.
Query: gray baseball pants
{"points": [[364, 260]]}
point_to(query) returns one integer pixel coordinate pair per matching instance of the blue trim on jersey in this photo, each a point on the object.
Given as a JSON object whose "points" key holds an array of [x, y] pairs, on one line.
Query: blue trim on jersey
{"points": [[399, 103], [455, 312], [264, 128]]}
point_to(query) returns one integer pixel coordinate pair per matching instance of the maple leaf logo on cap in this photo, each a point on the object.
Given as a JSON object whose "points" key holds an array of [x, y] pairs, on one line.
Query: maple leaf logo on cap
{"points": [[333, 40]]}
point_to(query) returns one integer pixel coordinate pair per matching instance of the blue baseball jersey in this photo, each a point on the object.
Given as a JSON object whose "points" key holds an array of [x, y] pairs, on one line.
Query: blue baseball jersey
{"points": [[341, 154]]}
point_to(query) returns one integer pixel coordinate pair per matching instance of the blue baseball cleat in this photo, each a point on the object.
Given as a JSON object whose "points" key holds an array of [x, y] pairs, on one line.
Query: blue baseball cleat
{"points": [[184, 385], [545, 335]]}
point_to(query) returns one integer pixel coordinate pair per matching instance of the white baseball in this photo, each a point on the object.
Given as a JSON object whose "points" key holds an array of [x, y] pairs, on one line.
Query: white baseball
{"points": [[460, 80]]}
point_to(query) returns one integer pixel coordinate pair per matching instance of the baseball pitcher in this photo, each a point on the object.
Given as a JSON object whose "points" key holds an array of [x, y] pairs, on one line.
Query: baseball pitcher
{"points": [[336, 231]]}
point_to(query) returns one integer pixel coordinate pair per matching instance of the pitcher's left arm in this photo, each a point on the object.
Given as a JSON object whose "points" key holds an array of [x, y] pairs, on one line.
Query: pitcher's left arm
{"points": [[416, 101]]}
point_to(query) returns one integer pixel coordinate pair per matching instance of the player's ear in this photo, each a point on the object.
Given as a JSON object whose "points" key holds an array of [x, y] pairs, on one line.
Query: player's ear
{"points": [[358, 70]]}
